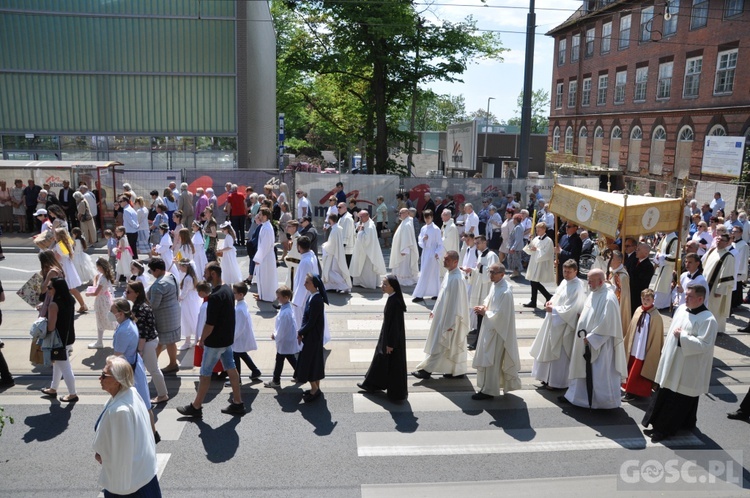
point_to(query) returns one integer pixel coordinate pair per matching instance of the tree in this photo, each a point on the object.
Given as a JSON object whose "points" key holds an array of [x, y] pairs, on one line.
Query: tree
{"points": [[369, 51], [539, 111], [483, 117]]}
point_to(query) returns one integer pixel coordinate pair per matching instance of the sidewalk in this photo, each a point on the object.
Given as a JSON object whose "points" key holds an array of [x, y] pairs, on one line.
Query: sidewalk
{"points": [[24, 243]]}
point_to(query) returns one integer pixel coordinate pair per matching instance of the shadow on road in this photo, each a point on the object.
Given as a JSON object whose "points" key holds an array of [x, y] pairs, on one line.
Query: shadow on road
{"points": [[316, 413], [49, 425], [401, 412], [220, 443]]}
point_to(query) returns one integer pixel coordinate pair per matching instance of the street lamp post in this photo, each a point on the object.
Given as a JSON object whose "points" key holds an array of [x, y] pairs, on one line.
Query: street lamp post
{"points": [[486, 126]]}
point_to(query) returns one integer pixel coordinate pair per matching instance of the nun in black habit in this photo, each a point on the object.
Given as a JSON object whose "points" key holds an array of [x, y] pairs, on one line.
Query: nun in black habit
{"points": [[387, 371], [311, 361]]}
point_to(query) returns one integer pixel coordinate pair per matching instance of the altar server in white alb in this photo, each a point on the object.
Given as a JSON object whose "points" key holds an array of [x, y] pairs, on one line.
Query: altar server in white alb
{"points": [[684, 370], [368, 266], [496, 359], [404, 260], [446, 340], [666, 256], [431, 242], [600, 321], [449, 233], [346, 222], [266, 275], [541, 264], [553, 344], [308, 264], [335, 270], [480, 279], [719, 272]]}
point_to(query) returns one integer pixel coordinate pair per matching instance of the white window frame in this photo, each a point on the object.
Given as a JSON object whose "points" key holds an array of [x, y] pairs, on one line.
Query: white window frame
{"points": [[641, 81], [562, 47], [616, 133], [559, 95], [686, 134], [726, 67], [556, 139], [664, 83], [733, 8], [601, 90], [659, 133], [625, 25], [621, 80], [583, 132], [606, 37], [586, 92], [572, 92], [636, 133], [670, 27], [693, 69], [575, 47], [647, 16], [569, 140], [590, 36], [699, 14], [717, 130], [598, 132]]}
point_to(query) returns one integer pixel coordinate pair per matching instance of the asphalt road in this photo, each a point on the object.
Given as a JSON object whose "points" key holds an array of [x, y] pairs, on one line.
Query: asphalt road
{"points": [[439, 443]]}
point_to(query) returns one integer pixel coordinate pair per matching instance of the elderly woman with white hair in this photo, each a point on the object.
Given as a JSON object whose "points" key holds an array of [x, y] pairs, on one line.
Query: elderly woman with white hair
{"points": [[85, 218], [124, 443]]}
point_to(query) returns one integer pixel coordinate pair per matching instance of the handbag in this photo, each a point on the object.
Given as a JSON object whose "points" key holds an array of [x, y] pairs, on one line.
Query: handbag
{"points": [[61, 353], [31, 290]]}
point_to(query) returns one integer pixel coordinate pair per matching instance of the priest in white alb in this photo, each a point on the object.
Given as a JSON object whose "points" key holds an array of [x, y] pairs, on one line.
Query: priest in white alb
{"points": [[666, 256], [541, 264], [449, 232], [346, 222], [335, 270], [601, 329], [368, 266], [553, 344], [684, 370], [265, 259], [496, 359], [404, 260], [431, 242], [446, 339], [719, 270], [480, 280]]}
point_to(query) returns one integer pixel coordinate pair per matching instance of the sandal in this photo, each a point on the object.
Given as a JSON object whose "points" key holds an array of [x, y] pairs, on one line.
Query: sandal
{"points": [[70, 398], [48, 391], [81, 311], [159, 399]]}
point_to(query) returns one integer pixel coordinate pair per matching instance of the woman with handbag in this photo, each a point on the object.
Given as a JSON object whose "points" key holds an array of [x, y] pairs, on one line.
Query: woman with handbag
{"points": [[60, 321], [88, 227]]}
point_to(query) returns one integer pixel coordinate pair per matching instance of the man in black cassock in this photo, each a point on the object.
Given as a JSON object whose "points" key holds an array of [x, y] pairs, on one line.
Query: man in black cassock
{"points": [[387, 371]]}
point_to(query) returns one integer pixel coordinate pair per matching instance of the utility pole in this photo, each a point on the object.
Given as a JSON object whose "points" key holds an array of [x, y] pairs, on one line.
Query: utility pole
{"points": [[487, 127], [523, 163], [415, 88]]}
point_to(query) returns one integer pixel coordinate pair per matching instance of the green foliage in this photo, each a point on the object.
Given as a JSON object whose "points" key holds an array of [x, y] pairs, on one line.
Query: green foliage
{"points": [[347, 70], [483, 117], [539, 111], [3, 418]]}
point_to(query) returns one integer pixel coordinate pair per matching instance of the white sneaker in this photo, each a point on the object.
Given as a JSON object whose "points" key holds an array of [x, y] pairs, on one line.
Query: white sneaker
{"points": [[96, 345], [185, 346]]}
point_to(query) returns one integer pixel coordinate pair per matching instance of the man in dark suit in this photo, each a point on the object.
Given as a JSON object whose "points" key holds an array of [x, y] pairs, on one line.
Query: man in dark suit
{"points": [[307, 228], [428, 204], [68, 204], [440, 206], [630, 259], [640, 277], [569, 248]]}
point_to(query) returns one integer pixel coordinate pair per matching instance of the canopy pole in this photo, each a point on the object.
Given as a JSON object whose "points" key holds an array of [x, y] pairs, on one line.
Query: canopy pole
{"points": [[622, 226], [677, 254], [557, 234]]}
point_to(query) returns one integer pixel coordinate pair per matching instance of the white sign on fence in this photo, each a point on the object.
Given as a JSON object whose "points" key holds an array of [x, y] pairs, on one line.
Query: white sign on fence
{"points": [[722, 156], [462, 145]]}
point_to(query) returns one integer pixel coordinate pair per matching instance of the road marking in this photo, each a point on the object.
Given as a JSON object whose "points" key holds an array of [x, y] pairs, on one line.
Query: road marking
{"points": [[506, 441], [168, 425], [30, 399], [365, 355], [18, 269], [423, 324], [452, 402]]}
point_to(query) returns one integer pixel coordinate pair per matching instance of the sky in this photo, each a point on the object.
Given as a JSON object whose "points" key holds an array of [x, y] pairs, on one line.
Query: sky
{"points": [[504, 81]]}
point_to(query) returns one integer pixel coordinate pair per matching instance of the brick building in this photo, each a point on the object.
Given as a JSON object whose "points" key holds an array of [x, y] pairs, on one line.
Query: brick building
{"points": [[638, 85]]}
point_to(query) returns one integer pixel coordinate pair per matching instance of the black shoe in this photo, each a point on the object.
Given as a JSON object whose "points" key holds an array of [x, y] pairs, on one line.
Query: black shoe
{"points": [[417, 300], [157, 437], [738, 415], [649, 432], [190, 411], [451, 376], [529, 305], [434, 298], [745, 328], [276, 306], [658, 436], [255, 375], [471, 348], [7, 383], [367, 388], [563, 400], [422, 374], [629, 397], [309, 397], [234, 409], [481, 396]]}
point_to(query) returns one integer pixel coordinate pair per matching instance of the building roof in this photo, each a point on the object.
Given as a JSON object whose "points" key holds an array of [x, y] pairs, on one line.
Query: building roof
{"points": [[582, 15]]}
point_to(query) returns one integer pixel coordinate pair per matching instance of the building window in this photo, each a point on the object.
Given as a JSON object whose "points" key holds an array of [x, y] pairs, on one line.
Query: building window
{"points": [[556, 139], [601, 90], [620, 80], [561, 48], [572, 91], [636, 134], [670, 26], [583, 133], [664, 86], [725, 66], [656, 156], [616, 133], [660, 133], [641, 79], [559, 96], [569, 140], [693, 69], [575, 47], [624, 32], [589, 42], [717, 131], [599, 132], [586, 92], [606, 36], [699, 14], [733, 8], [686, 134], [647, 16]]}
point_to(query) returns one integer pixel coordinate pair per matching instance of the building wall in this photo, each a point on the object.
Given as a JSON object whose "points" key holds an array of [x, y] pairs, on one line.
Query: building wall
{"points": [[707, 111]]}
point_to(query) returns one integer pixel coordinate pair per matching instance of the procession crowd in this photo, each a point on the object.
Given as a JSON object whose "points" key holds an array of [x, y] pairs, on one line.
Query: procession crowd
{"points": [[603, 341]]}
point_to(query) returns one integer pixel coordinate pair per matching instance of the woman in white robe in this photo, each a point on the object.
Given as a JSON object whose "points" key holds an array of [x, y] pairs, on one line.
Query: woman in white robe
{"points": [[265, 274], [230, 269], [431, 242], [200, 250], [190, 304]]}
